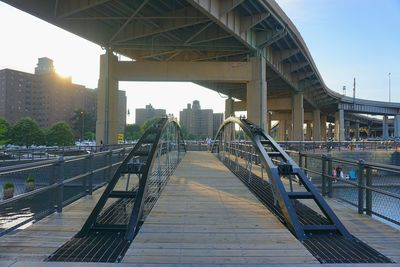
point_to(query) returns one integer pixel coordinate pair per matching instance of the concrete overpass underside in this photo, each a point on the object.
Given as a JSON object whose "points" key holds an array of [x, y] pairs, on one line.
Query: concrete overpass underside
{"points": [[248, 50]]}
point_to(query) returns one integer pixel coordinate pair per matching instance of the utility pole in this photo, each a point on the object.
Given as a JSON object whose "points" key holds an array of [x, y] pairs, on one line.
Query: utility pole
{"points": [[354, 91], [389, 88]]}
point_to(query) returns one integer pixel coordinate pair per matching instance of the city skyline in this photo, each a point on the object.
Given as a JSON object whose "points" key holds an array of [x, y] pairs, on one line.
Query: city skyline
{"points": [[340, 49]]}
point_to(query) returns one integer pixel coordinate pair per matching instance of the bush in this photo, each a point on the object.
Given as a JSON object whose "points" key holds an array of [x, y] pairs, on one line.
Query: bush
{"points": [[30, 179], [8, 185]]}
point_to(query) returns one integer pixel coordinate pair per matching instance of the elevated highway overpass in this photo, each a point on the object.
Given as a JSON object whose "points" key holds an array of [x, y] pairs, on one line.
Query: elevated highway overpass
{"points": [[248, 50]]}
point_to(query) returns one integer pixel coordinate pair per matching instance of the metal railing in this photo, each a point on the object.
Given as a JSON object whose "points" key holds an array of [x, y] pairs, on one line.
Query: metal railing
{"points": [[327, 146], [57, 183], [371, 187]]}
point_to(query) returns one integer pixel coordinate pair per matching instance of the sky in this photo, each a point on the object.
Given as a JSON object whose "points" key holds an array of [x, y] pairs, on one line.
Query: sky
{"points": [[346, 38]]}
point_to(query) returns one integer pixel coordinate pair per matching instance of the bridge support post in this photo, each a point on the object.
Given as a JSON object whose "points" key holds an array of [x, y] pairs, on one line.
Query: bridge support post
{"points": [[229, 111], [339, 125], [385, 127], [257, 91], [282, 130], [357, 130], [107, 101], [297, 117], [316, 125], [347, 130], [323, 127], [397, 126]]}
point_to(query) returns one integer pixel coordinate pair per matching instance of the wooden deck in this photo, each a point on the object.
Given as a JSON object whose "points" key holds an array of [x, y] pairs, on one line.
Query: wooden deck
{"points": [[204, 216]]}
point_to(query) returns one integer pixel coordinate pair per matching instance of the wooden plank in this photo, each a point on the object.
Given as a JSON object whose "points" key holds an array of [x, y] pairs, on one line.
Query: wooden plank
{"points": [[206, 215]]}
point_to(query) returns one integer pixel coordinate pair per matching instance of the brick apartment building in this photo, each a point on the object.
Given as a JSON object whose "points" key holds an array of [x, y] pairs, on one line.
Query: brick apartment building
{"points": [[46, 97]]}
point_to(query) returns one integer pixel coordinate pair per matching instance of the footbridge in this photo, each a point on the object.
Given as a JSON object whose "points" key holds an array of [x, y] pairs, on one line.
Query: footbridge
{"points": [[248, 50], [247, 202]]}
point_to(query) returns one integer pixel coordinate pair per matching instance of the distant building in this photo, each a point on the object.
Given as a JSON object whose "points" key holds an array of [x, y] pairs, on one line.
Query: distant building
{"points": [[198, 122], [46, 97], [144, 114], [218, 119]]}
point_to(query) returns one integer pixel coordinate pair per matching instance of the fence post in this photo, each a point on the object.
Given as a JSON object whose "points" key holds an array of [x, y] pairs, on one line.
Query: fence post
{"points": [[323, 174], [368, 193], [85, 167], [60, 182], [329, 160], [360, 186], [90, 168], [109, 163]]}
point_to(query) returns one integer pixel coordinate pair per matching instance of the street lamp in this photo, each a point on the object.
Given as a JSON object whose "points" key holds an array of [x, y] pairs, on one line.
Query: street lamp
{"points": [[389, 88], [83, 124]]}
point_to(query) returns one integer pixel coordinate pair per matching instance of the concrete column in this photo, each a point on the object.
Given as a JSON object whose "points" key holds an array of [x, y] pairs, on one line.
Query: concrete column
{"points": [[397, 126], [297, 117], [107, 101], [316, 125], [257, 92], [330, 131], [308, 131], [229, 111], [357, 130], [385, 128], [347, 130], [323, 127], [282, 130], [269, 122], [339, 125]]}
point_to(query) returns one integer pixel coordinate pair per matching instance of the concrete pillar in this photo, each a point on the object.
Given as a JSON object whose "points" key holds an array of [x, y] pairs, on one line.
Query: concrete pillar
{"points": [[257, 92], [357, 130], [107, 101], [282, 130], [330, 131], [308, 131], [269, 122], [323, 127], [347, 130], [297, 117], [339, 125], [397, 126], [385, 127], [316, 125], [229, 111]]}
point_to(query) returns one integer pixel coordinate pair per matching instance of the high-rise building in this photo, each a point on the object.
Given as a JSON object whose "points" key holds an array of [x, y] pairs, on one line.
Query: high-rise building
{"points": [[198, 122], [144, 114], [48, 98], [218, 118]]}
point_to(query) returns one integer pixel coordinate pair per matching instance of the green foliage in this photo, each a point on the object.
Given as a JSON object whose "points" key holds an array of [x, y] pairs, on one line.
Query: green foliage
{"points": [[4, 131], [30, 179], [8, 185], [60, 134], [89, 136], [133, 132], [83, 120], [26, 132], [148, 123]]}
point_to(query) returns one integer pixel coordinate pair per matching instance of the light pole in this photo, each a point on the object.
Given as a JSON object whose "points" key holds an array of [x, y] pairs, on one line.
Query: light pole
{"points": [[83, 124], [389, 88]]}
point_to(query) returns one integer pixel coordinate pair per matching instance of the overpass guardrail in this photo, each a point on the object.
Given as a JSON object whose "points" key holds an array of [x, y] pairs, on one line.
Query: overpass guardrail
{"points": [[57, 183], [373, 188]]}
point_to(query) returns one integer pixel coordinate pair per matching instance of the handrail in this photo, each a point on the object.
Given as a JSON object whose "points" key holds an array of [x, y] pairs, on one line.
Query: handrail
{"points": [[264, 146]]}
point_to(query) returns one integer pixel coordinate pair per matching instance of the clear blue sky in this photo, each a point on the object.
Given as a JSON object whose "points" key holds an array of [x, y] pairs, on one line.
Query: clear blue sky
{"points": [[347, 38]]}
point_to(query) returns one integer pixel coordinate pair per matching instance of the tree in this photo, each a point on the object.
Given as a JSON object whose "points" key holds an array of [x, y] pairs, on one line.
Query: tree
{"points": [[4, 131], [60, 134], [132, 132], [26, 132], [83, 120], [148, 123]]}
